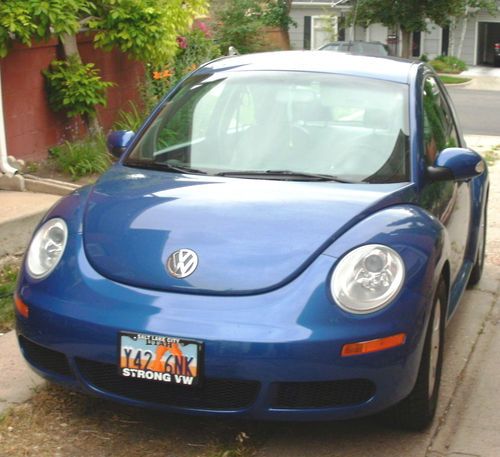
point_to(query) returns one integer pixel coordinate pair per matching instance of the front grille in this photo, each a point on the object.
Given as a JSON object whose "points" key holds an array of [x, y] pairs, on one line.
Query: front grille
{"points": [[323, 394], [44, 358], [214, 394]]}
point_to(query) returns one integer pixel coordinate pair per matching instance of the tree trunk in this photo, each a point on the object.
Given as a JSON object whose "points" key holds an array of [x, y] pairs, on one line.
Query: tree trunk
{"points": [[286, 30], [451, 44], [70, 47], [406, 44], [462, 35]]}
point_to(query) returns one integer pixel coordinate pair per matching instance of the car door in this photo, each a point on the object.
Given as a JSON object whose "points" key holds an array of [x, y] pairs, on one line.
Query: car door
{"points": [[449, 201]]}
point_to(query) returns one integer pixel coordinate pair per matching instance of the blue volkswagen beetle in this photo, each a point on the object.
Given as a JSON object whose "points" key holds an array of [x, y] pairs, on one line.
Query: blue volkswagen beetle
{"points": [[286, 237]]}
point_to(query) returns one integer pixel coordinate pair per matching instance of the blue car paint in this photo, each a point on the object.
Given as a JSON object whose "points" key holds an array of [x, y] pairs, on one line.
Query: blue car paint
{"points": [[288, 323], [296, 324], [224, 220]]}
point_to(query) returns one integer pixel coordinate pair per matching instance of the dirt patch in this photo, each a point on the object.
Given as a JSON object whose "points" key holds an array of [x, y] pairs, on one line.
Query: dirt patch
{"points": [[60, 423]]}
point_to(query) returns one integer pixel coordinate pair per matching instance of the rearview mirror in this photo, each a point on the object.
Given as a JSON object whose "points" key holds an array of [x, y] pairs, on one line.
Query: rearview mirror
{"points": [[457, 164], [118, 141]]}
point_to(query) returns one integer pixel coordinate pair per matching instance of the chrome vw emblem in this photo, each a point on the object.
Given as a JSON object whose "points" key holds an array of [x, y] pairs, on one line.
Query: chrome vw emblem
{"points": [[182, 263]]}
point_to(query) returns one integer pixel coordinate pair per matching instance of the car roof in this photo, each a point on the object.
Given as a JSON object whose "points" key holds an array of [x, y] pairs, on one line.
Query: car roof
{"points": [[386, 68]]}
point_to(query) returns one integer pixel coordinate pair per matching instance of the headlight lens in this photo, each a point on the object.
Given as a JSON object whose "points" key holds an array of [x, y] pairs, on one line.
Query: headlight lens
{"points": [[367, 278], [47, 248]]}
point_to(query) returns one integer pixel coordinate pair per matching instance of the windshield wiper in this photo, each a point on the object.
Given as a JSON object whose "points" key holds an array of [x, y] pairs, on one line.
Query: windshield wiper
{"points": [[154, 165], [284, 174]]}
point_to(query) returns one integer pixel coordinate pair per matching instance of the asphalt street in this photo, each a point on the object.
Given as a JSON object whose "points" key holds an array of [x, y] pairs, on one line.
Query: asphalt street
{"points": [[478, 110]]}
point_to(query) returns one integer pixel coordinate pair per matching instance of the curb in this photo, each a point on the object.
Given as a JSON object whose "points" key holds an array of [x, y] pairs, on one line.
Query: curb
{"points": [[48, 186], [21, 213]]}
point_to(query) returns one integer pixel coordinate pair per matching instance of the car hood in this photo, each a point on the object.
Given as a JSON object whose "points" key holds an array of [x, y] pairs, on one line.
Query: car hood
{"points": [[250, 235]]}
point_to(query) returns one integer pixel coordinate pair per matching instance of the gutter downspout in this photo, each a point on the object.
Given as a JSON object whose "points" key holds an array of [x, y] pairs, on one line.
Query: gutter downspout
{"points": [[5, 167]]}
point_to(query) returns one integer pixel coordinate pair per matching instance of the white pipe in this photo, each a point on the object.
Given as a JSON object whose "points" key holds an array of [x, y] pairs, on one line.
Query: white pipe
{"points": [[5, 167]]}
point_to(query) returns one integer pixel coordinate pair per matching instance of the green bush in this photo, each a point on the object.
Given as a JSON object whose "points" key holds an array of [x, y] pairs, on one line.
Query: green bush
{"points": [[83, 157], [275, 14], [239, 23], [75, 87], [448, 64], [130, 119], [194, 49]]}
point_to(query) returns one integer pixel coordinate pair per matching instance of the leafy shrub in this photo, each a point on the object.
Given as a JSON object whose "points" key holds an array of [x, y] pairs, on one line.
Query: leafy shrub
{"points": [[448, 64], [130, 119], [275, 14], [83, 157], [239, 24], [194, 49], [75, 87]]}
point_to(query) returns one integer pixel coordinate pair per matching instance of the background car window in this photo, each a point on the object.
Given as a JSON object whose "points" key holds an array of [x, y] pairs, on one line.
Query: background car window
{"points": [[439, 128]]}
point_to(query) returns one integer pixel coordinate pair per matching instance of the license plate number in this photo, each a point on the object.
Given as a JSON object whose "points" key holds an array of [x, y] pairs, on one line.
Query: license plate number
{"points": [[159, 358]]}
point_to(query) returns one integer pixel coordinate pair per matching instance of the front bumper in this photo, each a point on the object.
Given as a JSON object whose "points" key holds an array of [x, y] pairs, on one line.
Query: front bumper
{"points": [[269, 356]]}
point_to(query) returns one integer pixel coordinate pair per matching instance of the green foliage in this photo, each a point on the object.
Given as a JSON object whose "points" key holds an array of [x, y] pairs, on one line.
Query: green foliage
{"points": [[448, 64], [8, 278], [411, 15], [276, 14], [37, 19], [239, 24], [84, 157], [194, 49], [130, 119], [75, 87], [145, 29]]}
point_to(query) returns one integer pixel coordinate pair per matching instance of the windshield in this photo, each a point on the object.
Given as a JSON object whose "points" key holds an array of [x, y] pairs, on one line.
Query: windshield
{"points": [[355, 129]]}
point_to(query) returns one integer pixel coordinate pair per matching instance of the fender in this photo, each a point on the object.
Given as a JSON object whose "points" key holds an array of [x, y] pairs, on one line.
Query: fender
{"points": [[418, 237]]}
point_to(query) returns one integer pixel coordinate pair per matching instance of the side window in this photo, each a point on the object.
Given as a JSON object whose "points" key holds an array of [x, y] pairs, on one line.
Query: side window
{"points": [[439, 129]]}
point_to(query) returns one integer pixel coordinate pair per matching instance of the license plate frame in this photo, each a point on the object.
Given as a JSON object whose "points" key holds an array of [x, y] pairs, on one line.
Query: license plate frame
{"points": [[160, 358]]}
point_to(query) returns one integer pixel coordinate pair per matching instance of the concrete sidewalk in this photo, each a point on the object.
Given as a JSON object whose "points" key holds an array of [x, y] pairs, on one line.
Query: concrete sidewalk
{"points": [[20, 212]]}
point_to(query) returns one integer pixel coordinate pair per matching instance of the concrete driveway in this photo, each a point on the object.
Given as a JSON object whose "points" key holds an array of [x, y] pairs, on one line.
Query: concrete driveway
{"points": [[476, 70]]}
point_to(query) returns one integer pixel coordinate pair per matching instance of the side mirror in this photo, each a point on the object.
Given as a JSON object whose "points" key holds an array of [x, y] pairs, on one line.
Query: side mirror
{"points": [[118, 141], [457, 164]]}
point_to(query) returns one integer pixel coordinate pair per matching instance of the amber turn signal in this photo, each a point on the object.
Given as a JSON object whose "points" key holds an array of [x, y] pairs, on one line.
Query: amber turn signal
{"points": [[380, 344], [22, 308]]}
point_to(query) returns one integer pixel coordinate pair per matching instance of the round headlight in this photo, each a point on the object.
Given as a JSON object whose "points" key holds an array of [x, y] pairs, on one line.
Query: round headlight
{"points": [[47, 248], [367, 278]]}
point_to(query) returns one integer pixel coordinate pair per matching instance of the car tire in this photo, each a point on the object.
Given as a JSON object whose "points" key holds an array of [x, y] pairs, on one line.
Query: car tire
{"points": [[477, 269], [417, 410]]}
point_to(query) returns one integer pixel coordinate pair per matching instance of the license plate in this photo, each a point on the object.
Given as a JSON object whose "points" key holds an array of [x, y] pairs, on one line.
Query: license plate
{"points": [[160, 358]]}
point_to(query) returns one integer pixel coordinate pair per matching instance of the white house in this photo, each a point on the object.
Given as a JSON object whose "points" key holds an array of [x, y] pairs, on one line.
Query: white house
{"points": [[471, 38]]}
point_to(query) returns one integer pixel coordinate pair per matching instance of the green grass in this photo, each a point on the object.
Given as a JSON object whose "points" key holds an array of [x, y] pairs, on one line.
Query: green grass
{"points": [[8, 278], [453, 79], [83, 157], [491, 156]]}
